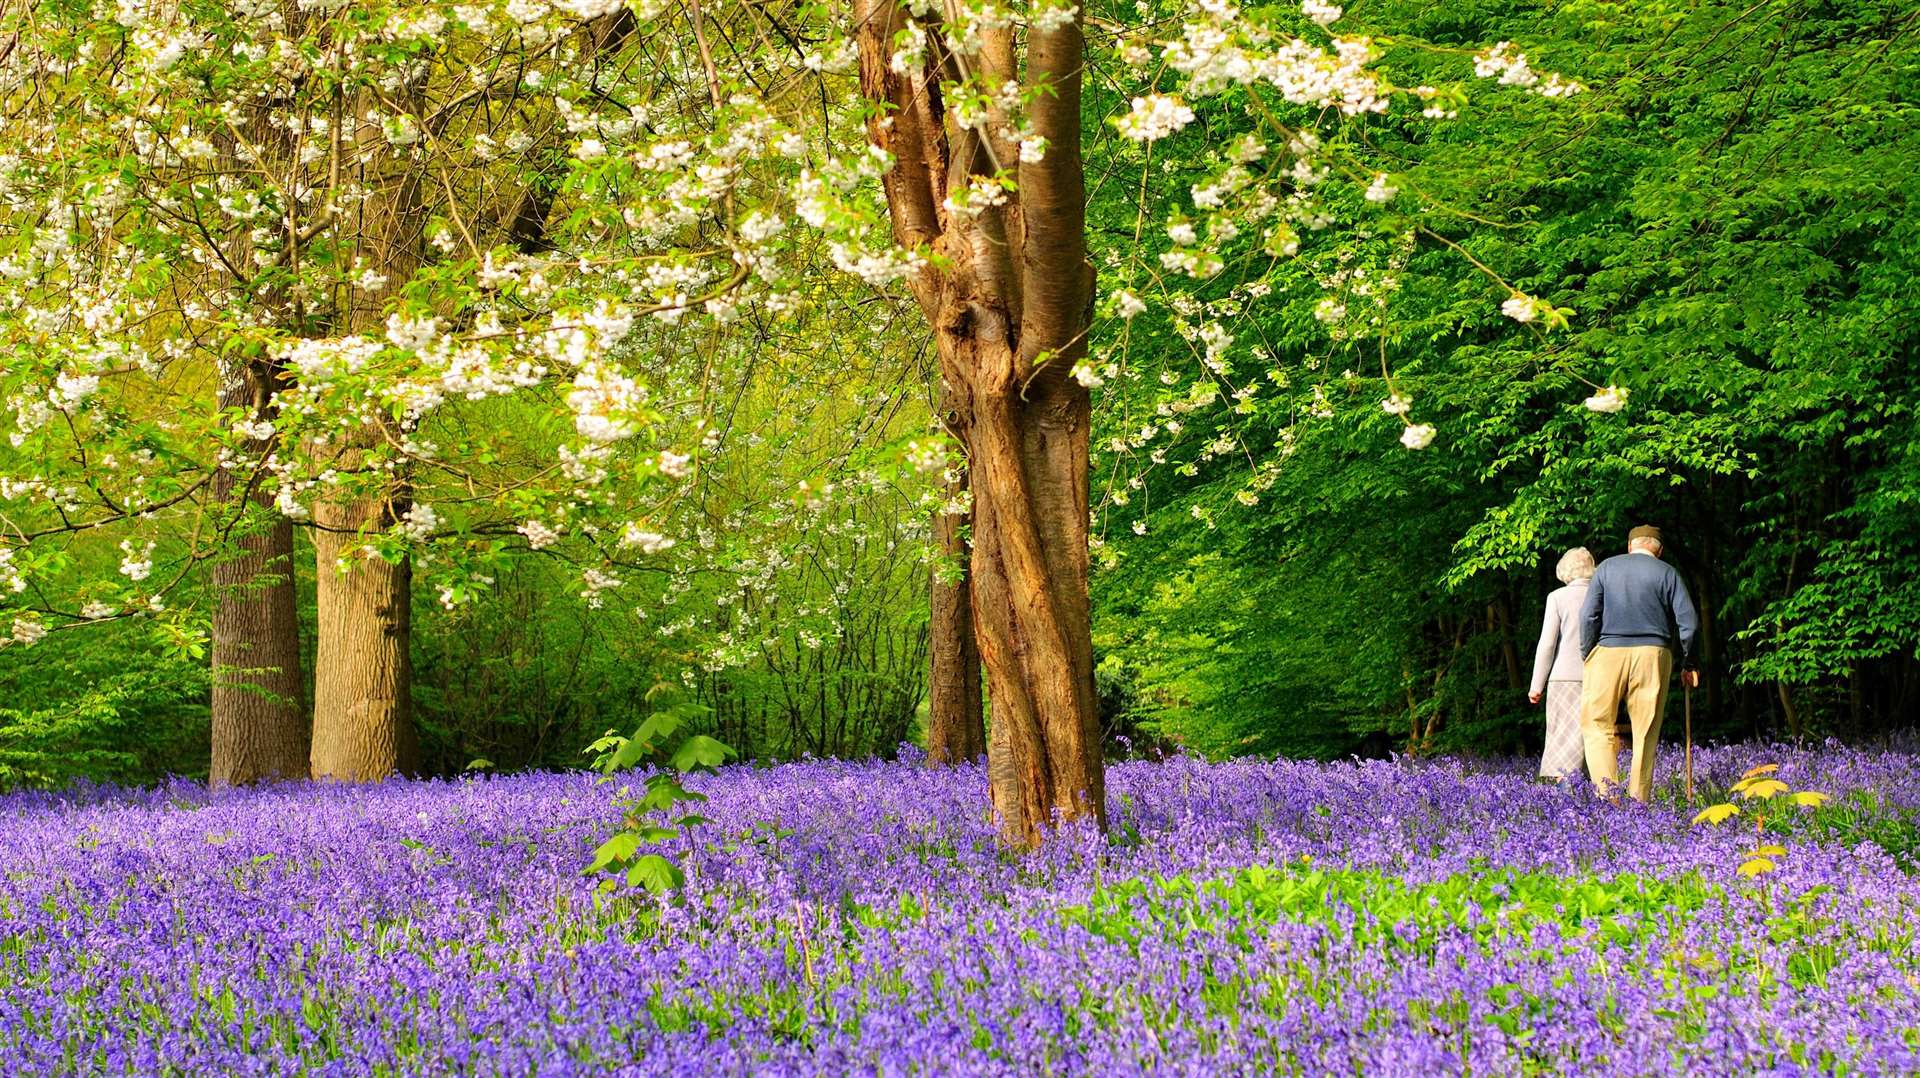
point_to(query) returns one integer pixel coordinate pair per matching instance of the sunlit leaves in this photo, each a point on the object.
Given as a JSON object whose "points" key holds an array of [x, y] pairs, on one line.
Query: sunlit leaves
{"points": [[655, 873], [1715, 814], [1759, 789], [1757, 784]]}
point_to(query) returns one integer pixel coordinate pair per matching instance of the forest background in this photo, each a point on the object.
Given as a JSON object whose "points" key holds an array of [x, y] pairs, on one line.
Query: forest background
{"points": [[1726, 213]]}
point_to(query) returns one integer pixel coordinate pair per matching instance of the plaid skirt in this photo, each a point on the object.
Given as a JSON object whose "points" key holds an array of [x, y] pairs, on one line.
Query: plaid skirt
{"points": [[1566, 752]]}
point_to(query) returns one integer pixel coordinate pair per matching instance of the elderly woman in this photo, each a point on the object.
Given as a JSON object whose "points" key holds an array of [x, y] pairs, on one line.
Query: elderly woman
{"points": [[1557, 667]]}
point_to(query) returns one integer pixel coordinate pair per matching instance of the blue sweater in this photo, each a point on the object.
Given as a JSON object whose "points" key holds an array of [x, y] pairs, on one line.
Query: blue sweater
{"points": [[1637, 600]]}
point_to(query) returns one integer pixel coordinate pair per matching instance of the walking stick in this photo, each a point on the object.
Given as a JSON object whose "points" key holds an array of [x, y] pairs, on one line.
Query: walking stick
{"points": [[1686, 696]]}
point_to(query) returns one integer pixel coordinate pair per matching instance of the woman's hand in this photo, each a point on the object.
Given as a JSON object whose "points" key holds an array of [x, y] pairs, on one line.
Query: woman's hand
{"points": [[1533, 698]]}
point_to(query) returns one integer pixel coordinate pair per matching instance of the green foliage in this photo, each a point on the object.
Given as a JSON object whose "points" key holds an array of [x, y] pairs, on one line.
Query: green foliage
{"points": [[1384, 909], [123, 708], [1724, 214], [1862, 817], [644, 817]]}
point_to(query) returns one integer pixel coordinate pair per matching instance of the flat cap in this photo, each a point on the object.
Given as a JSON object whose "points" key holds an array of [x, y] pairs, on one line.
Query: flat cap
{"points": [[1645, 531]]}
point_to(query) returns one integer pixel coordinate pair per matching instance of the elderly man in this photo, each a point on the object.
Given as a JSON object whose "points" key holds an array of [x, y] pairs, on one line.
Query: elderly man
{"points": [[1637, 616]]}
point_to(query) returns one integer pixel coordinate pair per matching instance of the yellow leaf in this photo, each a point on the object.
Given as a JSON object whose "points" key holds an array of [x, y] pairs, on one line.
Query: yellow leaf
{"points": [[1741, 785], [1763, 769], [1810, 798], [1716, 814], [1759, 866], [1770, 850], [1764, 788]]}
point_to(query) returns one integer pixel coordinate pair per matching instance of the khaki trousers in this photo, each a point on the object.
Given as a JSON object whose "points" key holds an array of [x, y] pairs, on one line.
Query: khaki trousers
{"points": [[1639, 676]]}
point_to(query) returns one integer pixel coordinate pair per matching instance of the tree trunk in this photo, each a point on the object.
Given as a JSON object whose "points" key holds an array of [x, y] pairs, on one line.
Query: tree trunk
{"points": [[1009, 301], [259, 725], [362, 713], [1032, 614], [362, 686], [259, 722], [956, 723], [1787, 709]]}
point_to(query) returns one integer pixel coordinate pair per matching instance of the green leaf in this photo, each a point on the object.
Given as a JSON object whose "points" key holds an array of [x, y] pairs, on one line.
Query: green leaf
{"points": [[616, 849], [700, 751], [631, 751], [657, 728], [656, 874]]}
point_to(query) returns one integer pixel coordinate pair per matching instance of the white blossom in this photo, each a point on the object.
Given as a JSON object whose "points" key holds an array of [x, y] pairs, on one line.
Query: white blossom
{"points": [[539, 536], [419, 523], [1320, 12], [290, 506], [71, 389], [136, 566], [675, 465], [1154, 116], [597, 581], [1084, 373], [1610, 399], [603, 401], [1511, 67], [638, 535], [1417, 436]]}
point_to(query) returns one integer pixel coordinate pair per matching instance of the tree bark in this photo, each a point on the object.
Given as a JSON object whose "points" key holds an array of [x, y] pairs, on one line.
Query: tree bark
{"points": [[363, 675], [362, 713], [956, 722], [1009, 304], [259, 724]]}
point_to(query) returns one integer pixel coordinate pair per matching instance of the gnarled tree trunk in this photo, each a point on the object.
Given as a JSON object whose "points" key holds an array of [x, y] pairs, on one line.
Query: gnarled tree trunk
{"points": [[1009, 306], [956, 722]]}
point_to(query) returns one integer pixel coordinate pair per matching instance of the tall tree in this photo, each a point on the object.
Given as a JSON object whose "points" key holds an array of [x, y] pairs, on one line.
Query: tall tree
{"points": [[259, 726], [362, 688], [1009, 304]]}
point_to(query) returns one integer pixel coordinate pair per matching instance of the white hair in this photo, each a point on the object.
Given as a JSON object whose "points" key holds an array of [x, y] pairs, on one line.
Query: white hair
{"points": [[1575, 564], [1646, 542]]}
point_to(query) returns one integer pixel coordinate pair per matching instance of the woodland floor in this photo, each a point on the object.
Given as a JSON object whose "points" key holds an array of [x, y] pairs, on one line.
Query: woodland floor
{"points": [[1245, 917]]}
